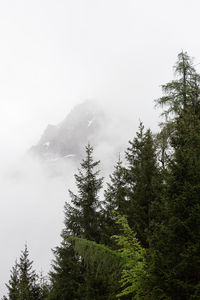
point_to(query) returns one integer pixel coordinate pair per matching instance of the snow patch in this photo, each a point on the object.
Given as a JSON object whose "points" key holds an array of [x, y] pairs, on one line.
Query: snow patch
{"points": [[46, 144], [69, 155], [90, 122]]}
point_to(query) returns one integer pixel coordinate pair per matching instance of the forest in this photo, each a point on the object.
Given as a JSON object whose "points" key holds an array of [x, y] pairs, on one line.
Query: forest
{"points": [[141, 239]]}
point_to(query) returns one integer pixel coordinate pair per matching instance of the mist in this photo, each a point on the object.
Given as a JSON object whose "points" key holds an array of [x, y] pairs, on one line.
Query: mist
{"points": [[54, 55], [31, 211], [33, 192]]}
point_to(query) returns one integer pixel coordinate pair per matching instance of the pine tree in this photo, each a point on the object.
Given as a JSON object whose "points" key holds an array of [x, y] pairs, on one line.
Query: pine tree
{"points": [[176, 242], [143, 184]]}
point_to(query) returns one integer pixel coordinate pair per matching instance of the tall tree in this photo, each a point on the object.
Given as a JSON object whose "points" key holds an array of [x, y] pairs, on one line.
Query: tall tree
{"points": [[176, 243], [82, 217], [70, 278], [143, 184], [115, 199]]}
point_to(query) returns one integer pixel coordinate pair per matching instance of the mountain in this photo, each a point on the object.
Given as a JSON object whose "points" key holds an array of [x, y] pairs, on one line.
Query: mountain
{"points": [[62, 147], [81, 126]]}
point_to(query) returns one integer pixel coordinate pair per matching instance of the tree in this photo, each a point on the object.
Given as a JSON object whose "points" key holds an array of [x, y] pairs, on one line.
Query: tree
{"points": [[66, 275], [176, 244], [82, 217], [69, 277], [27, 277], [115, 200], [125, 268], [13, 284], [143, 184], [23, 283]]}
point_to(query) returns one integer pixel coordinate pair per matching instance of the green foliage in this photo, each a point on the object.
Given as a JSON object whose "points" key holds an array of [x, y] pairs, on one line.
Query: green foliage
{"points": [[82, 217], [115, 200], [184, 89], [99, 257], [176, 244], [133, 256], [24, 283], [69, 277], [116, 192], [127, 265], [143, 184], [13, 284], [65, 276], [151, 209]]}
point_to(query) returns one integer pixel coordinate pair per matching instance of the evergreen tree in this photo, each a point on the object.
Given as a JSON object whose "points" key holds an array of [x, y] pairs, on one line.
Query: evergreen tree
{"points": [[27, 277], [43, 287], [125, 268], [66, 274], [82, 218], [13, 284], [69, 277], [176, 243], [23, 283], [143, 184], [115, 200]]}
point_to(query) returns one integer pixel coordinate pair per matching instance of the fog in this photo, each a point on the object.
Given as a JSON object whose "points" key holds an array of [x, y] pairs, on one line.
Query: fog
{"points": [[33, 193], [55, 54]]}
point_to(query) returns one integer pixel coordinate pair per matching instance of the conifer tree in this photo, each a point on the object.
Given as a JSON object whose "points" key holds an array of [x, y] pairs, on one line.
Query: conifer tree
{"points": [[176, 243], [115, 200], [23, 283], [115, 194], [13, 284], [66, 275], [27, 277], [143, 184], [82, 217], [69, 277]]}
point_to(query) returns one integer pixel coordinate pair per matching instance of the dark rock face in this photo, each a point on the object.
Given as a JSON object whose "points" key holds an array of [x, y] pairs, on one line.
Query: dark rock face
{"points": [[82, 125]]}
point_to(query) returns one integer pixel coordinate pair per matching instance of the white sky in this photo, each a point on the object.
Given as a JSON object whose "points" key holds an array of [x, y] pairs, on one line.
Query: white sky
{"points": [[56, 53]]}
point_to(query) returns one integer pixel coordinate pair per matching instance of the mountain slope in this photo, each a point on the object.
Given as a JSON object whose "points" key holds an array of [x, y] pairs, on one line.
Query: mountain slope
{"points": [[82, 125]]}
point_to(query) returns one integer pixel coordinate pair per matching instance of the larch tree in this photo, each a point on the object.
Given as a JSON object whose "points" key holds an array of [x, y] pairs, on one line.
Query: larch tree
{"points": [[177, 244]]}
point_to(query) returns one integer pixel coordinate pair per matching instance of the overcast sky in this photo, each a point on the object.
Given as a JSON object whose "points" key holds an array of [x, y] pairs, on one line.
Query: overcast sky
{"points": [[57, 53]]}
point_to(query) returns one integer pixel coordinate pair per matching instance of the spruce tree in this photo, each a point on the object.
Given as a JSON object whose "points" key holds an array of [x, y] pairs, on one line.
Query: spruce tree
{"points": [[82, 217], [13, 284], [27, 277], [115, 199], [66, 275], [23, 283], [70, 278], [143, 184], [176, 244]]}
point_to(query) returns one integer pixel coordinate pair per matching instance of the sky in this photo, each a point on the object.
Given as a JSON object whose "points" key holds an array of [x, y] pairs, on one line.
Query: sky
{"points": [[57, 53]]}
